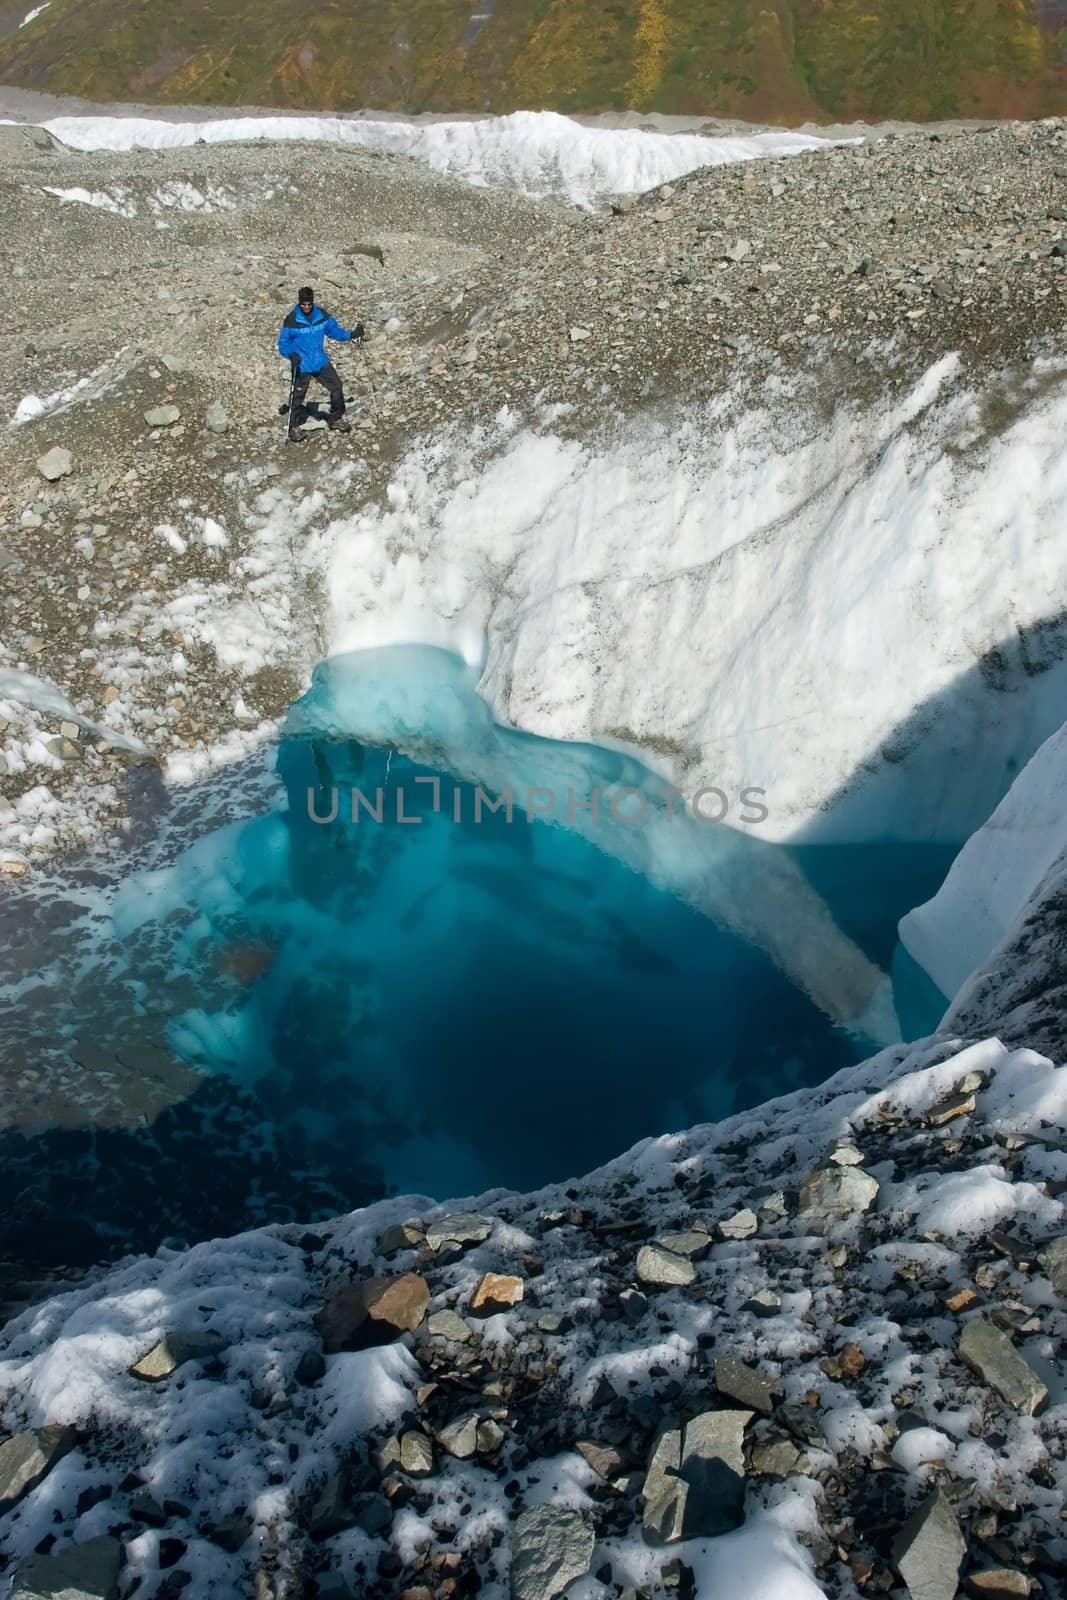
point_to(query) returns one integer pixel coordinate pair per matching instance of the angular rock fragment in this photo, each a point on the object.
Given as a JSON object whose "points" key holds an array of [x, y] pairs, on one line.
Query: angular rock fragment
{"points": [[331, 1511], [990, 1353], [606, 1461], [451, 1326], [496, 1292], [460, 1227], [27, 1458], [55, 463], [162, 416], [929, 1549], [401, 1236], [661, 1268], [1053, 1258], [551, 1546], [999, 1583], [830, 1195], [775, 1458], [490, 1437], [745, 1385], [694, 1244], [356, 1316], [764, 1303], [460, 1438], [695, 1484], [174, 1350], [742, 1225], [86, 1571]]}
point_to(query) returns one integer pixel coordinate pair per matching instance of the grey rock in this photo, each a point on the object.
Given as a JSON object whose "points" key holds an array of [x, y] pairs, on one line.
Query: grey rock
{"points": [[833, 1194], [64, 749], [742, 1225], [401, 1236], [745, 1385], [460, 1227], [460, 1438], [162, 416], [373, 1514], [764, 1303], [695, 1484], [551, 1546], [55, 463], [634, 1304], [87, 1571], [661, 1268], [989, 1352], [416, 1453], [739, 250], [1054, 1260], [490, 1437], [216, 418], [929, 1549], [173, 1350], [331, 1512], [695, 1244], [450, 1325], [230, 1533], [26, 1458], [775, 1458]]}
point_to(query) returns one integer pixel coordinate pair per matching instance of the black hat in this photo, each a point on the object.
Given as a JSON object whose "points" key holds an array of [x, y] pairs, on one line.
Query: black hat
{"points": [[305, 294]]}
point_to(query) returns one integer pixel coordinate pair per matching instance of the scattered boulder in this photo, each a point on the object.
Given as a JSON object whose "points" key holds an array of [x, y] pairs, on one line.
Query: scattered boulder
{"points": [[1054, 1260], [490, 1437], [173, 1350], [745, 1385], [834, 1194], [401, 1236], [55, 463], [742, 1225], [928, 1551], [999, 1583], [356, 1316], [694, 1244], [451, 1326], [460, 1228], [496, 1292], [551, 1546], [26, 1458], [989, 1352], [777, 1457], [663, 1268], [695, 1484], [86, 1571], [460, 1438], [162, 416], [606, 1461], [216, 418]]}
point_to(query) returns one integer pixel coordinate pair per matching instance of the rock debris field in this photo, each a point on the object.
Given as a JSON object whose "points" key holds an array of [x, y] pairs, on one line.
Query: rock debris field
{"points": [[140, 384], [815, 1350]]}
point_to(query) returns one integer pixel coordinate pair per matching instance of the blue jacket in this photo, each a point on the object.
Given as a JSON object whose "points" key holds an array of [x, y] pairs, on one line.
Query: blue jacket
{"points": [[302, 336]]}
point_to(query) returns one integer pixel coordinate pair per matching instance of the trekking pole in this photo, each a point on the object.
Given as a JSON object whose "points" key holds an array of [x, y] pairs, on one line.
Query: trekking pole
{"points": [[370, 385], [292, 397]]}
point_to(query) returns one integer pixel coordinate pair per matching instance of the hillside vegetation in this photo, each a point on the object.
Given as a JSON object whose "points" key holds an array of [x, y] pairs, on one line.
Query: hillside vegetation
{"points": [[767, 60]]}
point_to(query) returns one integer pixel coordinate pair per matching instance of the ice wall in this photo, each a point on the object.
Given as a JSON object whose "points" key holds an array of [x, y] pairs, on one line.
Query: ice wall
{"points": [[864, 619]]}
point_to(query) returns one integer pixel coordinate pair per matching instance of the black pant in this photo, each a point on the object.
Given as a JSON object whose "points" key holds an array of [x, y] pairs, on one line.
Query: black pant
{"points": [[329, 380]]}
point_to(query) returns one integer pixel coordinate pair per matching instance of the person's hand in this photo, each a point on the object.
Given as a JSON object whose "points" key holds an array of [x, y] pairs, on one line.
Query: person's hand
{"points": [[357, 331]]}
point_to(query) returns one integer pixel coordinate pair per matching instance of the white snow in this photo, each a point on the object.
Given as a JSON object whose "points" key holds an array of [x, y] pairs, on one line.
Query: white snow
{"points": [[998, 871], [32, 15], [538, 152], [100, 199], [38, 694]]}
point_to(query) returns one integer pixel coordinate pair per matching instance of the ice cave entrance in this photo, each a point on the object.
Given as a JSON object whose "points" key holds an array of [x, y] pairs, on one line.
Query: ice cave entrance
{"points": [[456, 998]]}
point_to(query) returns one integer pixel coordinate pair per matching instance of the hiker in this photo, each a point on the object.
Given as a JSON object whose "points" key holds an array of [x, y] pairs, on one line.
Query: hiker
{"points": [[301, 340]]}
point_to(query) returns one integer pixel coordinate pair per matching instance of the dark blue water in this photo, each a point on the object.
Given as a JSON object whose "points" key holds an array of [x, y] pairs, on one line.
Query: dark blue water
{"points": [[444, 1003]]}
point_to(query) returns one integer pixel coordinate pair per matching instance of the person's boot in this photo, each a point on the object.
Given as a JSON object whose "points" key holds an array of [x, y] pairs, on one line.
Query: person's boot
{"points": [[297, 436], [339, 424]]}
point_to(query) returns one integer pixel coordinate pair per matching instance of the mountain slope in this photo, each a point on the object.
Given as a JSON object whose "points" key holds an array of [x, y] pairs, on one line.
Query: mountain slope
{"points": [[768, 60]]}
